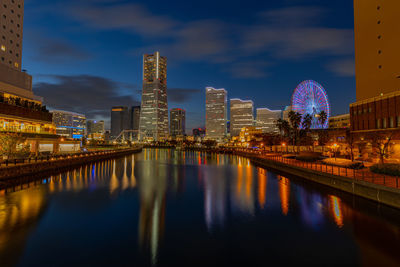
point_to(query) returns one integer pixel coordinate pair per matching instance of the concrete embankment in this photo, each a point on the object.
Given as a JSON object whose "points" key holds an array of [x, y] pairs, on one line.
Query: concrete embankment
{"points": [[11, 173], [382, 194]]}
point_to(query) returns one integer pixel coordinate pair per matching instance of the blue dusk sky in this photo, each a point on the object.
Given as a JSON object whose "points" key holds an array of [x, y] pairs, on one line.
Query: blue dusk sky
{"points": [[86, 55]]}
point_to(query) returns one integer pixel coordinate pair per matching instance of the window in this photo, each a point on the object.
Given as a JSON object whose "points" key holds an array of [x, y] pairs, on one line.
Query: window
{"points": [[378, 123], [384, 123], [379, 52], [16, 65], [391, 123], [370, 110], [398, 121], [379, 36], [3, 48], [380, 67], [379, 22]]}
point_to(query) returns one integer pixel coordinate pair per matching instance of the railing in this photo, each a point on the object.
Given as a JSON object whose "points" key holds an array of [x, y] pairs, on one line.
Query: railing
{"points": [[358, 174]]}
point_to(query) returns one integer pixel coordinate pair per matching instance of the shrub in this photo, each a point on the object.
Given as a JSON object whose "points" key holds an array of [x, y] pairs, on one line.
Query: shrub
{"points": [[388, 169], [308, 158]]}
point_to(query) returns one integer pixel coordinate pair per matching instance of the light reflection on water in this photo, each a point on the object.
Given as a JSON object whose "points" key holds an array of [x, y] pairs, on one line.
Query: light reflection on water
{"points": [[162, 201]]}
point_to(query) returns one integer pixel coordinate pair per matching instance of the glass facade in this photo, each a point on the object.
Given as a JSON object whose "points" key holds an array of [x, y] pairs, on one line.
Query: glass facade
{"points": [[216, 113], [241, 115], [69, 124], [266, 120], [178, 122], [154, 109]]}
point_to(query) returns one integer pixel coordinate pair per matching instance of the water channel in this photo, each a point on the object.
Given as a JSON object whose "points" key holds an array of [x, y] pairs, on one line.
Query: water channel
{"points": [[174, 208]]}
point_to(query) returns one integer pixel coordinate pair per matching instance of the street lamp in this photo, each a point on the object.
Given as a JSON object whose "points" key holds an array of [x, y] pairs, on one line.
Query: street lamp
{"points": [[334, 149], [284, 145]]}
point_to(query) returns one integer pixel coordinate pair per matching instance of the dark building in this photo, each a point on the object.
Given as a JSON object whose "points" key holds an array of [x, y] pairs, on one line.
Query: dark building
{"points": [[119, 120], [199, 132], [135, 117], [178, 122]]}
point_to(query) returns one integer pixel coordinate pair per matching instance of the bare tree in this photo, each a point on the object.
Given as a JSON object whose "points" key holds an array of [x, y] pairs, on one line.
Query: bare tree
{"points": [[380, 142], [13, 145]]}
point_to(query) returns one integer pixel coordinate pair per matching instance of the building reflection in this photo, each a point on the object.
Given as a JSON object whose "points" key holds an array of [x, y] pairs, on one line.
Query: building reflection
{"points": [[262, 187], [19, 214], [284, 193], [243, 197], [336, 210], [311, 208]]}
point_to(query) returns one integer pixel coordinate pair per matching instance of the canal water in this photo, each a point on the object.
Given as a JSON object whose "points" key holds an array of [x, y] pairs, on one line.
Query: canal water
{"points": [[173, 208]]}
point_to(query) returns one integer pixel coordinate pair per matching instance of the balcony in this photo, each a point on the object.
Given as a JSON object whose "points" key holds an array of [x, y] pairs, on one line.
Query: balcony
{"points": [[27, 112]]}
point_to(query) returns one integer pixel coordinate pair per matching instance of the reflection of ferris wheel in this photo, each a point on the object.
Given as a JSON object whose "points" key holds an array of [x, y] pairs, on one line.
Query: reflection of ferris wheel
{"points": [[311, 98]]}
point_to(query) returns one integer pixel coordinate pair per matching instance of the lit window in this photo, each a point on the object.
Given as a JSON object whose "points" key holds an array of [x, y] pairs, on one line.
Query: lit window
{"points": [[16, 64], [3, 48]]}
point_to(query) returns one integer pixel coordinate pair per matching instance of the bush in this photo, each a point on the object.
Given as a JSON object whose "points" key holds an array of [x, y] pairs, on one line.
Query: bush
{"points": [[388, 169], [308, 158]]}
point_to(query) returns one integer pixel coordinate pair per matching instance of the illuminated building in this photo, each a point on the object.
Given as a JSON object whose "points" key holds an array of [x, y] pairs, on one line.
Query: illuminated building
{"points": [[135, 120], [241, 115], [249, 133], [310, 97], [266, 120], [154, 108], [69, 124], [12, 20], [340, 122], [21, 111], [285, 113], [216, 113], [199, 132], [95, 129], [377, 41], [120, 120], [178, 122]]}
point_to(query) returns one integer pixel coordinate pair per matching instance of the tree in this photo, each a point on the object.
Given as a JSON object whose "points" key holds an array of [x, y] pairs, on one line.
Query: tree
{"points": [[295, 121], [283, 126], [307, 122], [322, 117], [350, 140], [380, 142], [12, 145]]}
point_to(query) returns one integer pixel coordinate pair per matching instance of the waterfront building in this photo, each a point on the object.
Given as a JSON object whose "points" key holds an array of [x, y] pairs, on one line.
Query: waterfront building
{"points": [[154, 108], [377, 42], [266, 120], [249, 133], [241, 115], [69, 124], [21, 111], [120, 121], [216, 113], [340, 122], [95, 129], [178, 122], [12, 17]]}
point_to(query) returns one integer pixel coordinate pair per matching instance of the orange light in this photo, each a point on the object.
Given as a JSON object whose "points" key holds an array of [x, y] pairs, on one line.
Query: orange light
{"points": [[283, 144]]}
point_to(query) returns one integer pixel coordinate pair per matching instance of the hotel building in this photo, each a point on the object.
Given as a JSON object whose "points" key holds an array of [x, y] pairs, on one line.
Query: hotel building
{"points": [[377, 42], [216, 113], [266, 120], [153, 124], [21, 111], [340, 122], [178, 122], [69, 124], [241, 115]]}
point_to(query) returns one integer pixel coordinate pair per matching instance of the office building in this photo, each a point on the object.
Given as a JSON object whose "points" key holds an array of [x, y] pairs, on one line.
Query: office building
{"points": [[216, 113], [135, 118], [285, 113], [377, 42], [95, 129], [178, 122], [120, 121], [69, 124], [339, 122], [241, 115], [11, 31], [154, 108], [266, 120]]}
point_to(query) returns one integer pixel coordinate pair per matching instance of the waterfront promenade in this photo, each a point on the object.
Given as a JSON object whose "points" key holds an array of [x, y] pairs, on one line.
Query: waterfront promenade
{"points": [[11, 172]]}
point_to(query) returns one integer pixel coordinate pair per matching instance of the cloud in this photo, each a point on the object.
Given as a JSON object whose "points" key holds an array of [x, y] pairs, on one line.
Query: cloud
{"points": [[293, 16], [343, 68], [122, 16], [180, 95], [91, 95]]}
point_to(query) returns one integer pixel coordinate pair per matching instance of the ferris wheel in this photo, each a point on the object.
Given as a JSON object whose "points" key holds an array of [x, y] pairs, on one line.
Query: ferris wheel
{"points": [[311, 98]]}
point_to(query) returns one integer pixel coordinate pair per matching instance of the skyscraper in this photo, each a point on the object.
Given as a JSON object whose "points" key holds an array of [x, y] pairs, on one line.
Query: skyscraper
{"points": [[377, 42], [12, 17], [135, 118], [154, 108], [178, 122], [216, 113], [266, 120], [119, 120], [241, 115]]}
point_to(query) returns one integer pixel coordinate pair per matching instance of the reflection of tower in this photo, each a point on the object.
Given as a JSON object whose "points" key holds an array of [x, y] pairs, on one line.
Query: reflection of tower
{"points": [[214, 198], [20, 211], [125, 180], [262, 187], [284, 193], [244, 194], [152, 190], [114, 183], [133, 179], [336, 210]]}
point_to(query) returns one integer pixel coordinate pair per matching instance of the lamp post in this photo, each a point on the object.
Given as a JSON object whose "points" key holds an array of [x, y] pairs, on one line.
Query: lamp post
{"points": [[334, 149], [283, 145]]}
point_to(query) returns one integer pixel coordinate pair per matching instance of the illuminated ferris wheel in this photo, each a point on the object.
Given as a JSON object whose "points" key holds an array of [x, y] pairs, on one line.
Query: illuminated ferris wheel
{"points": [[311, 98]]}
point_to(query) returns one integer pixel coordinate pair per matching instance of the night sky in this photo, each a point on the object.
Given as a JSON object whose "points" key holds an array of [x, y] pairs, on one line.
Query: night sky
{"points": [[86, 55]]}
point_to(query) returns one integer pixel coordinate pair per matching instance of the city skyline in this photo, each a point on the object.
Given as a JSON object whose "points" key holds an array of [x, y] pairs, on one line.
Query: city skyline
{"points": [[274, 73]]}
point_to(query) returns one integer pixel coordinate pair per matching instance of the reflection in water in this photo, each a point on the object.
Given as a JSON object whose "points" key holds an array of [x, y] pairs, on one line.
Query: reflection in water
{"points": [[284, 193], [203, 191], [336, 208]]}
